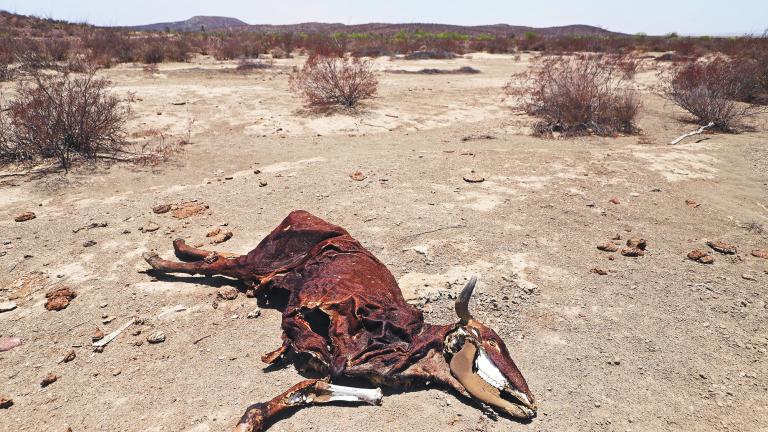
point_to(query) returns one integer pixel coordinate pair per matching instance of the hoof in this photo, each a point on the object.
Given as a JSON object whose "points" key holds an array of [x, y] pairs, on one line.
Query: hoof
{"points": [[150, 256]]}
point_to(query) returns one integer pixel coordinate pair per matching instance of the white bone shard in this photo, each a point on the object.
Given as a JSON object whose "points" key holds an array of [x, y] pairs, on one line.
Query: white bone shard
{"points": [[334, 393]]}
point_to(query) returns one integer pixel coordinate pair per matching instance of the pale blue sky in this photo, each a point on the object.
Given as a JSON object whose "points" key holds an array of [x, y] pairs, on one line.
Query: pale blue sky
{"points": [[650, 16]]}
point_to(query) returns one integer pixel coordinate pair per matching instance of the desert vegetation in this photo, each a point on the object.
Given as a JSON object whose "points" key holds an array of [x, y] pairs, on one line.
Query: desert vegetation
{"points": [[326, 81], [722, 92], [577, 95], [63, 116]]}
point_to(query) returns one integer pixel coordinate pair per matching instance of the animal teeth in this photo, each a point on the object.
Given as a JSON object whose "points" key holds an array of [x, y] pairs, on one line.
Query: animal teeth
{"points": [[489, 372]]}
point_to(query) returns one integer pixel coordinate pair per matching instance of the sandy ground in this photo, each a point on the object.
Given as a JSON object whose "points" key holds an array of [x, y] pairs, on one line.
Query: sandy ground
{"points": [[660, 343]]}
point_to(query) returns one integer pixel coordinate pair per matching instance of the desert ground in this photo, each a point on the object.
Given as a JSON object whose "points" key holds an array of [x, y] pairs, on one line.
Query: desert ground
{"points": [[659, 343]]}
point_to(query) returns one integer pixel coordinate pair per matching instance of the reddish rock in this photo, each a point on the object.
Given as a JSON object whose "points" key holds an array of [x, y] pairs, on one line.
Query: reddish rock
{"points": [[614, 200], [722, 247], [26, 216], [760, 253], [59, 298], [701, 255], [608, 247], [691, 203], [227, 293], [189, 209], [632, 252], [357, 175], [49, 379], [161, 208], [637, 243]]}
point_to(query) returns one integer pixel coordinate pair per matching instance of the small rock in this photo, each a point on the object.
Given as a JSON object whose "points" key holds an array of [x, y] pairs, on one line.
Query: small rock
{"points": [[116, 372], [189, 209], [608, 247], [632, 252], [97, 335], [219, 236], [49, 379], [600, 271], [597, 404], [227, 293], [638, 243], [107, 320], [5, 402], [149, 227], [473, 177], [358, 175], [748, 277], [25, 217], [7, 306], [156, 338], [634, 194], [691, 203], [723, 247], [161, 208], [254, 313], [257, 171], [760, 253], [9, 343], [69, 357], [89, 243], [614, 200], [701, 255], [59, 298], [262, 183]]}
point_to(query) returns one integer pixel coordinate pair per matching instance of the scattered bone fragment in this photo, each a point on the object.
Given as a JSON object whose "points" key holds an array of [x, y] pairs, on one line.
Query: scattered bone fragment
{"points": [[607, 247], [254, 313], [49, 379], [156, 337], [7, 306], [171, 311], [100, 344], [5, 402], [9, 343], [89, 243], [701, 256], [358, 175], [760, 253], [26, 216], [723, 247], [59, 298], [188, 209], [749, 277]]}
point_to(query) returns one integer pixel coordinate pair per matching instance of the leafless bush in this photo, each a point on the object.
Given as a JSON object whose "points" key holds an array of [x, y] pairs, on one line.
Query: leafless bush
{"points": [[710, 92], [577, 96], [327, 81], [64, 116]]}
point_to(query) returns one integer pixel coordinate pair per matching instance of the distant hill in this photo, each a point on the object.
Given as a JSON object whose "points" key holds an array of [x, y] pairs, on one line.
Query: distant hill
{"points": [[197, 23], [224, 23]]}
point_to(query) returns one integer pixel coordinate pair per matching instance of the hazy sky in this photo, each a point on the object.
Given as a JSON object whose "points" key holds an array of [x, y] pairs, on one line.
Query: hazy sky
{"points": [[649, 16]]}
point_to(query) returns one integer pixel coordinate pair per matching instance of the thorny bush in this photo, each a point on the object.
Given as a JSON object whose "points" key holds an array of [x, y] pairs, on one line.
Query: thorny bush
{"points": [[577, 95], [712, 91], [326, 81], [63, 116]]}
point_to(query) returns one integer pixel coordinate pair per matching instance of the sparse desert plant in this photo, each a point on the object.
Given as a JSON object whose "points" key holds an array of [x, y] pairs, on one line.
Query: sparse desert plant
{"points": [[327, 81], [711, 92], [577, 95], [63, 116]]}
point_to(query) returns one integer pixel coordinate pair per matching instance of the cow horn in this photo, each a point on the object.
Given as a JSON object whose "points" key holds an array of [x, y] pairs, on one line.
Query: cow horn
{"points": [[462, 303]]}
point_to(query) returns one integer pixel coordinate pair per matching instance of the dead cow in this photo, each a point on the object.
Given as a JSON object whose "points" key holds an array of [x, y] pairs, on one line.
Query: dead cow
{"points": [[347, 319]]}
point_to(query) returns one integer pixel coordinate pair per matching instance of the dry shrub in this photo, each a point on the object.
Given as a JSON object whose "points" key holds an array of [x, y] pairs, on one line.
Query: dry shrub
{"points": [[64, 116], [711, 92], [252, 65], [328, 81], [577, 96]]}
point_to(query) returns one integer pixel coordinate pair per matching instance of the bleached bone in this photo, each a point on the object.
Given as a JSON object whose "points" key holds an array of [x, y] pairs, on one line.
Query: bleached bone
{"points": [[332, 393], [110, 337], [690, 134]]}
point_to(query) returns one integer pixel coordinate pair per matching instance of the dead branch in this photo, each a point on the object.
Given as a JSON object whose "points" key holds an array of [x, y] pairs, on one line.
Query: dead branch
{"points": [[690, 134]]}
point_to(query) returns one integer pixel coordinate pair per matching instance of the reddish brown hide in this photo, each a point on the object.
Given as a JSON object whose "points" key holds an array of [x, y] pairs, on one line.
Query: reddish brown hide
{"points": [[345, 315]]}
